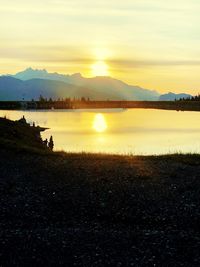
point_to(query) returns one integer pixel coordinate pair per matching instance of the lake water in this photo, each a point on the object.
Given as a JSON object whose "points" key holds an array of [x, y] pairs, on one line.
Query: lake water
{"points": [[133, 131]]}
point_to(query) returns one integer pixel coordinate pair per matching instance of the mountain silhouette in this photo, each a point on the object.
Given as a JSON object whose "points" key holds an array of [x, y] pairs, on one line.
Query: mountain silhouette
{"points": [[171, 96], [30, 84], [15, 89]]}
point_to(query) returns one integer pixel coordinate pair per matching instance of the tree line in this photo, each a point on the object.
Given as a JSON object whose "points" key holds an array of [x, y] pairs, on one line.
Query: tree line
{"points": [[192, 98], [67, 99]]}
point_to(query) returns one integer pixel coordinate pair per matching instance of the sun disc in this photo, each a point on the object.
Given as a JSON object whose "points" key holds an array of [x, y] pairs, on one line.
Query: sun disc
{"points": [[100, 68]]}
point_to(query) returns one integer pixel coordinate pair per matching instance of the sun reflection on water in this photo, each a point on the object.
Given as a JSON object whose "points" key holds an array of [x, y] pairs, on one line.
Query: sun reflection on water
{"points": [[99, 123]]}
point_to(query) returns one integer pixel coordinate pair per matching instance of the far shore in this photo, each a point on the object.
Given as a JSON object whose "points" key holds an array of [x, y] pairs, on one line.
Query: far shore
{"points": [[85, 104]]}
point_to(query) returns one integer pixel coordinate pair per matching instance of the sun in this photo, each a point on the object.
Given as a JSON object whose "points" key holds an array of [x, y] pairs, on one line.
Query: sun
{"points": [[99, 123], [100, 68]]}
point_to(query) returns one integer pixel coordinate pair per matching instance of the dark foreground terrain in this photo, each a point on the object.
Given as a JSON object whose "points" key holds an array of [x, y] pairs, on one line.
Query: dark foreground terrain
{"points": [[62, 209]]}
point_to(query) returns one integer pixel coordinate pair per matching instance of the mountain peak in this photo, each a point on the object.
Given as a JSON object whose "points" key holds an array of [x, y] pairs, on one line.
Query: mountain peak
{"points": [[33, 70], [172, 96], [31, 73], [100, 87], [28, 69]]}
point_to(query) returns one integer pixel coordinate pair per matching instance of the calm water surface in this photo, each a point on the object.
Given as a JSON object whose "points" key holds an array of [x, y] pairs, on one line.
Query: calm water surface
{"points": [[135, 131]]}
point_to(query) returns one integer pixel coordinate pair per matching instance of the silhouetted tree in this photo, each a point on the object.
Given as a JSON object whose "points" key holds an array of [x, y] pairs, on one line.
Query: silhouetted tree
{"points": [[42, 99], [192, 98], [51, 143], [22, 120]]}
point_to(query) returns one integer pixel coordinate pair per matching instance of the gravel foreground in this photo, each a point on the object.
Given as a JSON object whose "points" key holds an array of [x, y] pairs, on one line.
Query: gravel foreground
{"points": [[96, 210]]}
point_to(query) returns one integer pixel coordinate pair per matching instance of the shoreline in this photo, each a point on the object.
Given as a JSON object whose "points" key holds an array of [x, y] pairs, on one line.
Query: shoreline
{"points": [[63, 105]]}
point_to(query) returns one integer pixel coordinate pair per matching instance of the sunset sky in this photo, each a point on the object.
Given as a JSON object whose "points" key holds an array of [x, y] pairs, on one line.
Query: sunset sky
{"points": [[151, 43]]}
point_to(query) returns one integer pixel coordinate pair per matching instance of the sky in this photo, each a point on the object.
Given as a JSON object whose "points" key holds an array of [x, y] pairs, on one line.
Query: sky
{"points": [[151, 43]]}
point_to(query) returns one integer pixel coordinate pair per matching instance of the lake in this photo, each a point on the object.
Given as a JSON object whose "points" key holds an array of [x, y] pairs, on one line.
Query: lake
{"points": [[119, 131]]}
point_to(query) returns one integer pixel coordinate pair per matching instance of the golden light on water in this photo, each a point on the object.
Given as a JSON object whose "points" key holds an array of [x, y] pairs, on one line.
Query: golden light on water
{"points": [[99, 123], [100, 68]]}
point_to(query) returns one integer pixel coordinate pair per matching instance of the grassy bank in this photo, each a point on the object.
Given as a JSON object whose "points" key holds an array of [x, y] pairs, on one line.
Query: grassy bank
{"points": [[98, 210]]}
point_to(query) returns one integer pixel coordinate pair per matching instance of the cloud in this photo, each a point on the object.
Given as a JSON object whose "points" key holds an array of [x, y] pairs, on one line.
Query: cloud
{"points": [[146, 63], [73, 54]]}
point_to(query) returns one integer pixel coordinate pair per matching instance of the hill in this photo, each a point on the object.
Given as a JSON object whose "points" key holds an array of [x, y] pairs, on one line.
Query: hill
{"points": [[171, 96], [20, 135], [15, 89], [30, 84], [97, 88]]}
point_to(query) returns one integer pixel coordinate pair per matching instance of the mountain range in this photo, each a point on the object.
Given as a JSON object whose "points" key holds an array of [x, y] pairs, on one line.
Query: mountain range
{"points": [[30, 84]]}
